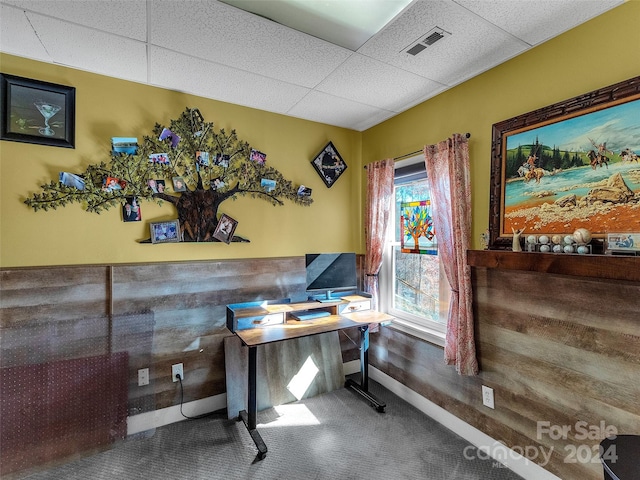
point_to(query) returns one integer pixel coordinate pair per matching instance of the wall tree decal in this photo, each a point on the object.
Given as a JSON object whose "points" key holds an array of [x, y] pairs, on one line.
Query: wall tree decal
{"points": [[229, 173]]}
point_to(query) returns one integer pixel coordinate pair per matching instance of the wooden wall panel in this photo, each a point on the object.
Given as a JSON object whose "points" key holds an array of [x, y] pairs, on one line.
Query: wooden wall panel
{"points": [[159, 314], [556, 348]]}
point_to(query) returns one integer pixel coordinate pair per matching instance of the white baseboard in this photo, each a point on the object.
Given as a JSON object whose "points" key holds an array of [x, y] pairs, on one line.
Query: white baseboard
{"points": [[158, 418], [485, 444]]}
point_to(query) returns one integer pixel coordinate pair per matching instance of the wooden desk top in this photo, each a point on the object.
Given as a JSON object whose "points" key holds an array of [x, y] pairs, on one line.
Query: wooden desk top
{"points": [[302, 328]]}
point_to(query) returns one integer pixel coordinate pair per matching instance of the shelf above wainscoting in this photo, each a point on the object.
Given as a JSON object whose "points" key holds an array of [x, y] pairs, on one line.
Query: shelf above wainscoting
{"points": [[595, 266]]}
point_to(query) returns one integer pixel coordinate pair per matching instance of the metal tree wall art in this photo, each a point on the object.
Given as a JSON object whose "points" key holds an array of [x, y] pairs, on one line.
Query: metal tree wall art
{"points": [[206, 167]]}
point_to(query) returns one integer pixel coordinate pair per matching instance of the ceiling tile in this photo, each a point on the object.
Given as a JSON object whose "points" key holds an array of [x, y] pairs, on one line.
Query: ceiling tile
{"points": [[167, 69], [225, 35], [324, 108], [473, 46], [17, 37], [90, 50], [535, 21], [127, 18], [374, 83]]}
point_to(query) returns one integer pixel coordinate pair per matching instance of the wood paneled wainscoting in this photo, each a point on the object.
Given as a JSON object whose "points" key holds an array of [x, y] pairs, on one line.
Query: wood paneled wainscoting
{"points": [[558, 340], [152, 315]]}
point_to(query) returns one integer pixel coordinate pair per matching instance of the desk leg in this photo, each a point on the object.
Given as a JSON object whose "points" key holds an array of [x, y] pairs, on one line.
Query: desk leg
{"points": [[250, 418], [363, 387]]}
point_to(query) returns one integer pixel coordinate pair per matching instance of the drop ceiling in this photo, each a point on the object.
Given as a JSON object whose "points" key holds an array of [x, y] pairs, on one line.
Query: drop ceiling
{"points": [[216, 50]]}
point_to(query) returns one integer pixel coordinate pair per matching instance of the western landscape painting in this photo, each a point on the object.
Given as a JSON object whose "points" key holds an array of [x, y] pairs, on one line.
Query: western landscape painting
{"points": [[580, 172]]}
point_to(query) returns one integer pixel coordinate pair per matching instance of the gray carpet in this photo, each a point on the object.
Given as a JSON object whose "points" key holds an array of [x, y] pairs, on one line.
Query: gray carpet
{"points": [[333, 436]]}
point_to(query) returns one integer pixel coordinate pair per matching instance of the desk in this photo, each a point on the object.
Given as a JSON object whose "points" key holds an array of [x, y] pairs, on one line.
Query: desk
{"points": [[290, 329]]}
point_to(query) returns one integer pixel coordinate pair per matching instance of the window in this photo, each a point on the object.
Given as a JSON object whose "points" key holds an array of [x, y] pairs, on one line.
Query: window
{"points": [[413, 286]]}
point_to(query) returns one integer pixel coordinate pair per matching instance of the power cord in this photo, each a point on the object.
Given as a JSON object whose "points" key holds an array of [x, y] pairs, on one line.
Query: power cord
{"points": [[197, 417]]}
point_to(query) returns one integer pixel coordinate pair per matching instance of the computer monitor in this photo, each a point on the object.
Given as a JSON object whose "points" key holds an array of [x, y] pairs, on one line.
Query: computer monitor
{"points": [[330, 272]]}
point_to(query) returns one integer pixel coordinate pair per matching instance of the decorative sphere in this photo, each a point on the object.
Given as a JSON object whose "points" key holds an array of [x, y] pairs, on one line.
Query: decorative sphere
{"points": [[557, 239], [557, 248], [543, 239], [582, 249], [582, 236], [568, 249], [531, 239], [568, 239], [545, 248]]}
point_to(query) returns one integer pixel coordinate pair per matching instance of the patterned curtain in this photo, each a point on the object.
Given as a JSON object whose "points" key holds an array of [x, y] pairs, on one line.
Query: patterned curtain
{"points": [[448, 176], [376, 217]]}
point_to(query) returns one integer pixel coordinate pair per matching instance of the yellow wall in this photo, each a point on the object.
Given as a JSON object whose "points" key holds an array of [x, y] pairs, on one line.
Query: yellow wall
{"points": [[106, 107], [599, 53]]}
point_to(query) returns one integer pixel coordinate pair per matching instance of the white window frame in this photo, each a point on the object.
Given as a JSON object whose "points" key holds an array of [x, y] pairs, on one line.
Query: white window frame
{"points": [[406, 322]]}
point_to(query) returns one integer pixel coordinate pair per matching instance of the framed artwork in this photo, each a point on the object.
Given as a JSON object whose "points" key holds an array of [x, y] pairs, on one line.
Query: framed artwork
{"points": [[570, 165], [37, 112], [165, 232], [225, 228], [329, 164], [416, 225]]}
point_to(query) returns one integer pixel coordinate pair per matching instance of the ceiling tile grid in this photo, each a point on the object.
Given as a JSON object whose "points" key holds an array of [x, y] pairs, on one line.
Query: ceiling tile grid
{"points": [[127, 18], [366, 80], [167, 69], [223, 34], [214, 50], [88, 49], [535, 21], [17, 36], [324, 108]]}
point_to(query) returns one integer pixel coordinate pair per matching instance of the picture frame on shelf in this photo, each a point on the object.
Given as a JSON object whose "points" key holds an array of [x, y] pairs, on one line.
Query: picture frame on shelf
{"points": [[37, 112], [165, 232], [567, 166], [225, 229], [329, 164]]}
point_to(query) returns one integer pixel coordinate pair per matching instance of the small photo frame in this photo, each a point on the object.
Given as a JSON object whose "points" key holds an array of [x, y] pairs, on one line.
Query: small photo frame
{"points": [[168, 135], [165, 232], [126, 145], [202, 159], [160, 185], [329, 164], [267, 184], [304, 191], [179, 185], [131, 210], [217, 183], [629, 242], [225, 228], [258, 157], [37, 112], [159, 158], [71, 180], [111, 184]]}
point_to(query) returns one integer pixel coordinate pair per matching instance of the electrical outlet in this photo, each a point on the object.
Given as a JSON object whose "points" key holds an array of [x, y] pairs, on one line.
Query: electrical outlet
{"points": [[143, 377], [487, 396], [177, 370]]}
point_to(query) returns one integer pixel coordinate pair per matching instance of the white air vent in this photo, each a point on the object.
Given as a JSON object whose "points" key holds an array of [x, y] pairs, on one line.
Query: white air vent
{"points": [[426, 40]]}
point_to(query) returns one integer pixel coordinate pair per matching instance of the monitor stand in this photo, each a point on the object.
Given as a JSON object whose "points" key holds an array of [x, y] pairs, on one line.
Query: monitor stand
{"points": [[329, 298]]}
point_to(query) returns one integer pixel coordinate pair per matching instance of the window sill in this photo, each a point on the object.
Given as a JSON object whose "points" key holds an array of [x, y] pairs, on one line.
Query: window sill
{"points": [[424, 333]]}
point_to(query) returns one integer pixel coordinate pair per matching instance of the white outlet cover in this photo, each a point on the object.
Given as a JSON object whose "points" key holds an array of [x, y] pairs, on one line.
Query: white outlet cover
{"points": [[143, 377], [487, 396]]}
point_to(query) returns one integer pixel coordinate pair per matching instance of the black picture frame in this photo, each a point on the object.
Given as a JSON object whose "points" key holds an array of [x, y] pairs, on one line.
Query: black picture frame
{"points": [[329, 164], [556, 116], [22, 121]]}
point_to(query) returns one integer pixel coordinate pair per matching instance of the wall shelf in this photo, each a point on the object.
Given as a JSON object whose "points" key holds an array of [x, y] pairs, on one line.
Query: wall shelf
{"points": [[594, 266]]}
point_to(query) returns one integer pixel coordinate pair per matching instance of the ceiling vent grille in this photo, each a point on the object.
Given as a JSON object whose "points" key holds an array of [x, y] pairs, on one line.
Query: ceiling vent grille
{"points": [[426, 40]]}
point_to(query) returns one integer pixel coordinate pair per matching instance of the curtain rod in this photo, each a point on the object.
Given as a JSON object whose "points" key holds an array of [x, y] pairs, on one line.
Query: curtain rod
{"points": [[468, 135]]}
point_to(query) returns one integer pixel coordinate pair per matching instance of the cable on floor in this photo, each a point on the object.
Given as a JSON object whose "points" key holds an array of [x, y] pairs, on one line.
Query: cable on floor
{"points": [[197, 417]]}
